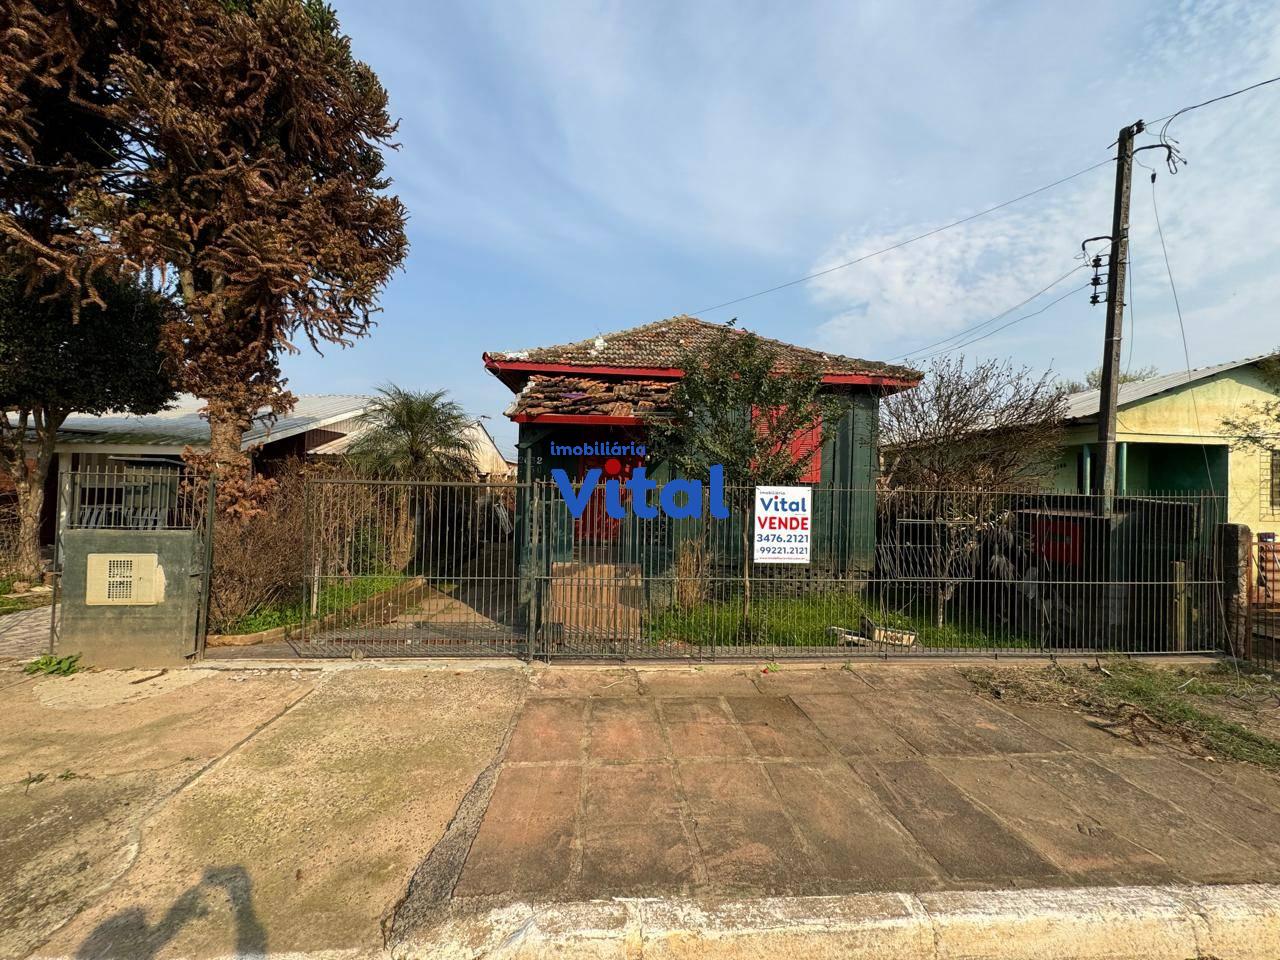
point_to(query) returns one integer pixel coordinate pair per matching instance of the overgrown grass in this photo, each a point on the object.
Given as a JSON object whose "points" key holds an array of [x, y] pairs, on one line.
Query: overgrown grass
{"points": [[804, 621], [331, 598], [1139, 701], [15, 604]]}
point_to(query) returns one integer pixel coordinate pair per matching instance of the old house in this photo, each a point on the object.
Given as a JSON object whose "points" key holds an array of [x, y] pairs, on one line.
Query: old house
{"points": [[1170, 439], [574, 400]]}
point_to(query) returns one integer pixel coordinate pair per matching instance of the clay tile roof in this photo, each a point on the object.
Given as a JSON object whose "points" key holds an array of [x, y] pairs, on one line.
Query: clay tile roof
{"points": [[663, 343], [589, 396]]}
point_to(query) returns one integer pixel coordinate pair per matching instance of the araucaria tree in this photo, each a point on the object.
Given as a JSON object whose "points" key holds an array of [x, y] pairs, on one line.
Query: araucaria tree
{"points": [[741, 406], [241, 168], [52, 365], [952, 446]]}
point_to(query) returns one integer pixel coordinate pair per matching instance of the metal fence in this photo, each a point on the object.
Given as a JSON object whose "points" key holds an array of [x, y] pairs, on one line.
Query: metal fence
{"points": [[399, 568], [402, 568], [1264, 600]]}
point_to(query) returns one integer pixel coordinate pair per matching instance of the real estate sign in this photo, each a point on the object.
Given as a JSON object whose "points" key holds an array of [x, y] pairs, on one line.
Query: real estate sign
{"points": [[783, 524]]}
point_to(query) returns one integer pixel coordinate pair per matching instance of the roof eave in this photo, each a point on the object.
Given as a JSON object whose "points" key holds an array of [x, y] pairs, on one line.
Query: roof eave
{"points": [[514, 372]]}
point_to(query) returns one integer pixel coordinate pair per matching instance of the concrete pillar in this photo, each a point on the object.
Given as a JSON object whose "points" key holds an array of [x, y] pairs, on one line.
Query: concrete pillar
{"points": [[1235, 544]]}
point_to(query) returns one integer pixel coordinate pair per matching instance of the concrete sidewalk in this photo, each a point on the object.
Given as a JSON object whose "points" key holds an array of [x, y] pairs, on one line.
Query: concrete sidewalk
{"points": [[619, 783], [696, 786], [435, 810]]}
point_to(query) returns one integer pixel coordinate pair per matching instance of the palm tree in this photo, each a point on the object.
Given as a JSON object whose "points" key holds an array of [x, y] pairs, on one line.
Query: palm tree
{"points": [[414, 435]]}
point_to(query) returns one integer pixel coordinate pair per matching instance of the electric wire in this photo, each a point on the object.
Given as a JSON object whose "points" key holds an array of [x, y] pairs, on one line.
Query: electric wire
{"points": [[999, 316], [1004, 326], [902, 243]]}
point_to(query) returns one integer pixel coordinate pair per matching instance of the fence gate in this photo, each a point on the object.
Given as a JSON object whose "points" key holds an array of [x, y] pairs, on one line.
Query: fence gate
{"points": [[406, 568]]}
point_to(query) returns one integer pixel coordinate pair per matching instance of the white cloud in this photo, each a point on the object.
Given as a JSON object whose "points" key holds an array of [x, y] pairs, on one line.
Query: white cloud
{"points": [[1218, 215]]}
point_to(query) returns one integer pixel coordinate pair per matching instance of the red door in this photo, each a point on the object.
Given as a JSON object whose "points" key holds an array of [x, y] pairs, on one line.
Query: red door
{"points": [[595, 524]]}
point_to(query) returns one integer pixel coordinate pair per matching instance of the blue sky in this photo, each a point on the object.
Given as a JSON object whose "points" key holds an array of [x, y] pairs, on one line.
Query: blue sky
{"points": [[575, 168]]}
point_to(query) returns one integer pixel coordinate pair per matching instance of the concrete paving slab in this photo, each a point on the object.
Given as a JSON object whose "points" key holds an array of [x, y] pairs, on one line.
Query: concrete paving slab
{"points": [[1051, 823], [717, 789], [1251, 820], [853, 727], [1189, 844], [995, 729], [527, 857], [535, 792], [778, 728], [579, 682], [754, 852], [109, 752], [692, 739], [897, 675], [621, 729], [630, 793], [694, 710], [917, 717], [713, 681], [1074, 731], [969, 843], [790, 679], [853, 838], [549, 729], [637, 859]]}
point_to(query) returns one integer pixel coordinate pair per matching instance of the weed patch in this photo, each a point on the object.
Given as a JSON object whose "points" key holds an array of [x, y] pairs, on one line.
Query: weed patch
{"points": [[52, 666], [1140, 701]]}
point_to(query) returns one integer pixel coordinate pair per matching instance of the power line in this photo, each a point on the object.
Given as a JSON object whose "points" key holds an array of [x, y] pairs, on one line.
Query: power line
{"points": [[903, 243], [999, 316], [1004, 326], [1196, 106]]}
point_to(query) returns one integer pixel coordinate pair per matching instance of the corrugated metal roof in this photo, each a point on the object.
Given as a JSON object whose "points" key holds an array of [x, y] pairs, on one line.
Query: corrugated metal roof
{"points": [[1087, 403], [182, 425]]}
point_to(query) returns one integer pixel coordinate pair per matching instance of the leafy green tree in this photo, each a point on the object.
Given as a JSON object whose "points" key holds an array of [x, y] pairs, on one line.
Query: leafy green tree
{"points": [[740, 405], [53, 364], [241, 161]]}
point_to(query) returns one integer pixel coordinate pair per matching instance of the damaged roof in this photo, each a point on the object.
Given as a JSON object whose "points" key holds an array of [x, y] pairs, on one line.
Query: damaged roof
{"points": [[570, 396], [661, 346]]}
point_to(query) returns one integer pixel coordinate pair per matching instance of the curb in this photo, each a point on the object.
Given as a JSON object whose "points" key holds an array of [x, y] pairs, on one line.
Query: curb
{"points": [[1239, 922]]}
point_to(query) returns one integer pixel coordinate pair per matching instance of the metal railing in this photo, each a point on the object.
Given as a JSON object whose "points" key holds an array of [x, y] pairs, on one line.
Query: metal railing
{"points": [[130, 497], [403, 568], [398, 568], [1264, 600]]}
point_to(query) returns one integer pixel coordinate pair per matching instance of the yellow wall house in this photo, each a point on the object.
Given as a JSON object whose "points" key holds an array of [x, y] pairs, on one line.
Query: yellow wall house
{"points": [[1170, 439]]}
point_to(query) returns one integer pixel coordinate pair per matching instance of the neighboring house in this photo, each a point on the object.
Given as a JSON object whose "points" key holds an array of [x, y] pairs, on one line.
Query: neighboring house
{"points": [[1170, 439], [491, 465], [98, 448], [604, 389]]}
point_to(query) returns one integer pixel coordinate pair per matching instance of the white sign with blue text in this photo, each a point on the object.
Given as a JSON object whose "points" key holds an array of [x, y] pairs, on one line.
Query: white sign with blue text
{"points": [[783, 524]]}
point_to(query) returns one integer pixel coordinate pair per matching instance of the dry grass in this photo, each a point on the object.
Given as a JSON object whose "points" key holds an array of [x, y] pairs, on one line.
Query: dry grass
{"points": [[1217, 712]]}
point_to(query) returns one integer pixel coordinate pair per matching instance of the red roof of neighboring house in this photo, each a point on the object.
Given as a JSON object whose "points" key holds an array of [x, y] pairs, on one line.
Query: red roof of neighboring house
{"points": [[587, 378]]}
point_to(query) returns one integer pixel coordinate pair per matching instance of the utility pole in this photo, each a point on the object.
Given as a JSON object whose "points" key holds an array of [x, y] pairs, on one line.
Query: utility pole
{"points": [[1116, 269]]}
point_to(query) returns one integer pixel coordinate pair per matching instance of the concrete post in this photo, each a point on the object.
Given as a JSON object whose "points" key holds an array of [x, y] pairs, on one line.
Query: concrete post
{"points": [[1235, 541]]}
